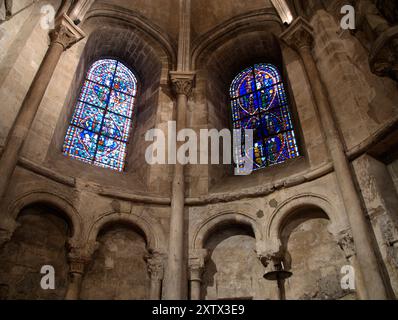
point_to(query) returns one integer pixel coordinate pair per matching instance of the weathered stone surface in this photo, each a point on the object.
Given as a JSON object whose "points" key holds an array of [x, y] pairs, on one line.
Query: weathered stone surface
{"points": [[38, 241], [118, 270], [230, 222]]}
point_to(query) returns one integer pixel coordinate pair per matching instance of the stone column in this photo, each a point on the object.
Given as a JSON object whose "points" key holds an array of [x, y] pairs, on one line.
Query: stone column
{"points": [[197, 260], [346, 243], [182, 84], [78, 258], [155, 262], [299, 35], [275, 271], [62, 37]]}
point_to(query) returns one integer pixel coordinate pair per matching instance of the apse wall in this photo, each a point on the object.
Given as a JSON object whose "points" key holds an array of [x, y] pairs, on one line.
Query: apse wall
{"points": [[226, 40], [208, 14]]}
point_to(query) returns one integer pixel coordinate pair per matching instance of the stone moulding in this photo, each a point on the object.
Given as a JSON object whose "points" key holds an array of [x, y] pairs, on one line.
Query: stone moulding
{"points": [[54, 199], [154, 235], [263, 190], [136, 198], [47, 173], [283, 213], [375, 138], [205, 228]]}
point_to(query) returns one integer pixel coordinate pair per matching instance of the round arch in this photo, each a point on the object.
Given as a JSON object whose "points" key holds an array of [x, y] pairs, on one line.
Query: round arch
{"points": [[286, 210], [72, 216], [265, 20], [207, 227], [153, 233], [114, 16]]}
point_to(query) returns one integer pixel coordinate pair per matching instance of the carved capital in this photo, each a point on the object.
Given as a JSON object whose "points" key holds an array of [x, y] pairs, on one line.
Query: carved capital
{"points": [[66, 33], [299, 35], [155, 262], [346, 243], [268, 251], [196, 263], [182, 82], [80, 256], [270, 259]]}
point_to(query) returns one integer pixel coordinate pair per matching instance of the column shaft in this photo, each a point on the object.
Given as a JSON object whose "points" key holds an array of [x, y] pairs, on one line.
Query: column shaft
{"points": [[195, 289], [360, 228], [74, 286], [62, 37], [175, 263], [156, 289], [26, 115]]}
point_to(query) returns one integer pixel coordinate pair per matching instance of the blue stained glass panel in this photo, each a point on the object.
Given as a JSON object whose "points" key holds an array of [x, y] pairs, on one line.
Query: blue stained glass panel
{"points": [[110, 154], [124, 80], [247, 123], [121, 103], [259, 102], [102, 72], [243, 84], [266, 75], [275, 121], [281, 148], [245, 106], [80, 144], [88, 117], [260, 157], [101, 123], [272, 97], [116, 126], [94, 94]]}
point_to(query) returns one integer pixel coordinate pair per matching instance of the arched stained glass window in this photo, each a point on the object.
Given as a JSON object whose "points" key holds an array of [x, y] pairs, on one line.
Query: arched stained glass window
{"points": [[102, 120], [259, 102]]}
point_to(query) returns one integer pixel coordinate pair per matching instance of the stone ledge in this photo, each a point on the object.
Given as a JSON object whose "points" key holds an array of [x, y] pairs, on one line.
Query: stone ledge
{"points": [[135, 198], [371, 141], [47, 173], [264, 190]]}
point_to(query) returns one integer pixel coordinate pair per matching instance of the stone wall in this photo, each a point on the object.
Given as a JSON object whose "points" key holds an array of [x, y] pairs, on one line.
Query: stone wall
{"points": [[23, 45], [118, 270], [233, 270], [315, 260], [355, 92], [38, 241]]}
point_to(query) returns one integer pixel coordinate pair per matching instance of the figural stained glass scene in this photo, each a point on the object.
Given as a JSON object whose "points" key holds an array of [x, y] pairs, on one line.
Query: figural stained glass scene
{"points": [[101, 123], [259, 102]]}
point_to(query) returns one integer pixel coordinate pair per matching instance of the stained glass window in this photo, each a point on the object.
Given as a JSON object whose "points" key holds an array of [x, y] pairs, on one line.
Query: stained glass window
{"points": [[100, 127], [259, 102]]}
